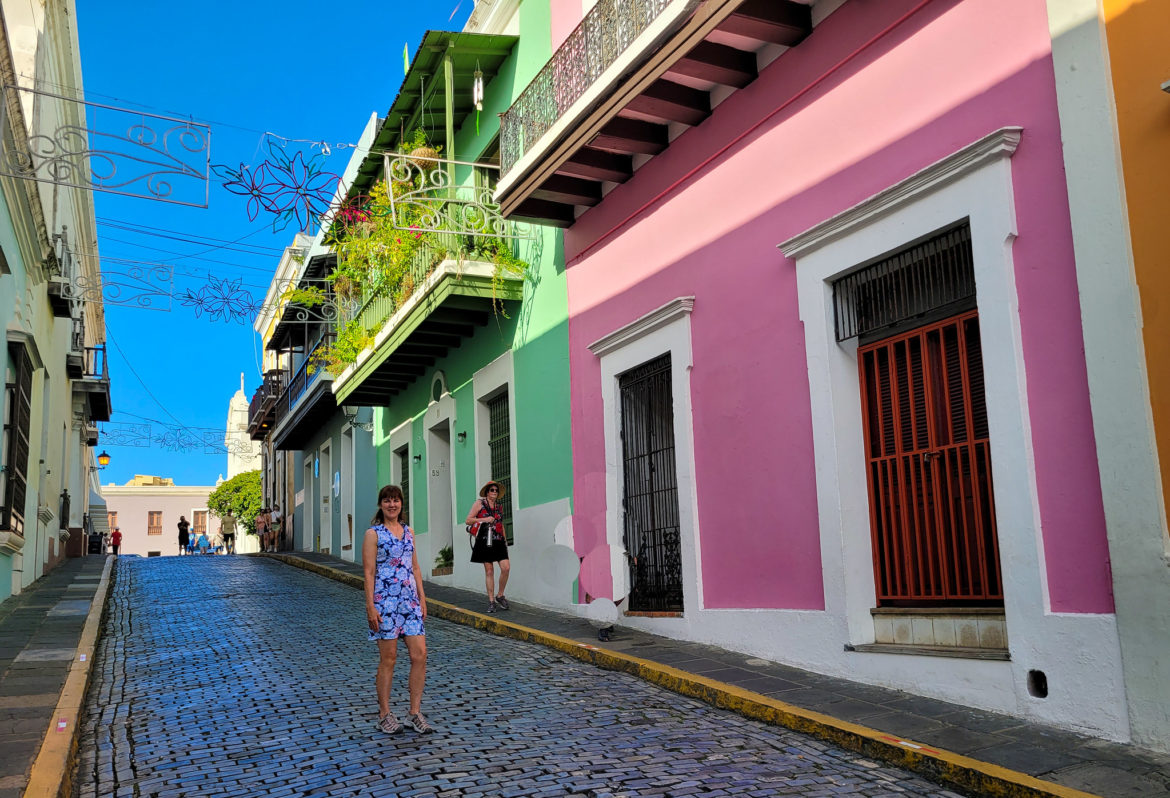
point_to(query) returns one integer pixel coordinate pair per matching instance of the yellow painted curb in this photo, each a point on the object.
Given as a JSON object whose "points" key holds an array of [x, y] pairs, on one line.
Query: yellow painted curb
{"points": [[938, 764], [52, 772]]}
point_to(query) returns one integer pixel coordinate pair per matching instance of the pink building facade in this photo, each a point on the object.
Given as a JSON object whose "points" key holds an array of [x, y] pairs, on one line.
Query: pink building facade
{"points": [[868, 476], [148, 515]]}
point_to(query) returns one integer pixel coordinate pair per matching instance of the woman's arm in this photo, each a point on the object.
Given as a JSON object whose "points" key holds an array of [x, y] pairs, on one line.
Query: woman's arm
{"points": [[418, 583], [473, 513], [370, 570]]}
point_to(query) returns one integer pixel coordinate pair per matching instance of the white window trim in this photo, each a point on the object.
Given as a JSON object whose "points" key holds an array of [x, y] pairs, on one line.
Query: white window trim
{"points": [[666, 329], [436, 414], [974, 183], [401, 436], [487, 383]]}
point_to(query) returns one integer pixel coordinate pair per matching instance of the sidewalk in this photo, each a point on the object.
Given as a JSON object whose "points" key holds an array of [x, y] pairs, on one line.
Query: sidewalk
{"points": [[40, 632], [977, 751]]}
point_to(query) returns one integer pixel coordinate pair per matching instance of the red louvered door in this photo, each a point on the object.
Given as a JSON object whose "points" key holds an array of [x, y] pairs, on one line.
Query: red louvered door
{"points": [[932, 512]]}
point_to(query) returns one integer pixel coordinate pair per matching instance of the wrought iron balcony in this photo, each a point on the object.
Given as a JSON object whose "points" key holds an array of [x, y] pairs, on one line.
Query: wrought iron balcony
{"points": [[95, 382], [262, 408], [604, 34], [630, 78], [75, 357], [306, 402]]}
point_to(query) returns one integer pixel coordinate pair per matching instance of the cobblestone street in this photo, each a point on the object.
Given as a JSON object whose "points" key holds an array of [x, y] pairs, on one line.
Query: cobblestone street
{"points": [[234, 676]]}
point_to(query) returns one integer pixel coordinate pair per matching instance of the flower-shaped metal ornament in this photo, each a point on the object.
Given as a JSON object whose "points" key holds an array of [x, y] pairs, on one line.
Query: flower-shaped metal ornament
{"points": [[221, 300], [289, 187]]}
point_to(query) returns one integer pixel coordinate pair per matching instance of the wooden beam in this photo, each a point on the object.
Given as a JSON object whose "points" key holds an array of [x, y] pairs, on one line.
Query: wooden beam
{"points": [[775, 21], [537, 211], [631, 136], [718, 63], [590, 164], [569, 191], [672, 102]]}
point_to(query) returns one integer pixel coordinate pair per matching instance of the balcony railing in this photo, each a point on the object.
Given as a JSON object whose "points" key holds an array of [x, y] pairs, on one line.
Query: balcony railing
{"points": [[308, 373], [264, 400], [603, 35], [95, 362]]}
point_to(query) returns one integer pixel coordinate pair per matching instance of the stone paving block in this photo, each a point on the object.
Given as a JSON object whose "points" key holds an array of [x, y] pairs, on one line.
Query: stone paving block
{"points": [[514, 720]]}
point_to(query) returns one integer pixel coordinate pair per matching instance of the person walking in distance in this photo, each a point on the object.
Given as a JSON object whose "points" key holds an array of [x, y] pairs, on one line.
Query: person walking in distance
{"points": [[396, 606], [274, 527], [228, 530], [116, 540], [485, 524], [184, 534], [262, 528]]}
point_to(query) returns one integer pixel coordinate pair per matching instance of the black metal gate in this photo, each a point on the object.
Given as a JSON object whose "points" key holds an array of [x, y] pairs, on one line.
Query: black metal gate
{"points": [[650, 495]]}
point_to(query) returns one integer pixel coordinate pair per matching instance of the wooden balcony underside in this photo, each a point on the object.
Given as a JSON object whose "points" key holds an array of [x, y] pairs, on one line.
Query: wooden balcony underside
{"points": [[563, 172]]}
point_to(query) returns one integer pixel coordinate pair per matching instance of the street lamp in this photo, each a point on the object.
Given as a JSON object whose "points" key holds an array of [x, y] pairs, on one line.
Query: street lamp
{"points": [[103, 459]]}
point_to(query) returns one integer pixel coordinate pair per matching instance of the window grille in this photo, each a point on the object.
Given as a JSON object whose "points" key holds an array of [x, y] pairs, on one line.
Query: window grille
{"points": [[17, 416], [403, 455], [154, 522], [921, 283], [500, 445], [112, 519], [200, 519]]}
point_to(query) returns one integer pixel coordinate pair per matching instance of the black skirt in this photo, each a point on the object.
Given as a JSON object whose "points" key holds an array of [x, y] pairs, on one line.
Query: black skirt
{"points": [[481, 552]]}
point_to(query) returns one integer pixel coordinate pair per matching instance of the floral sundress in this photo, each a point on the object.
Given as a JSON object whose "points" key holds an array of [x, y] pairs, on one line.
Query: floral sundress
{"points": [[395, 592]]}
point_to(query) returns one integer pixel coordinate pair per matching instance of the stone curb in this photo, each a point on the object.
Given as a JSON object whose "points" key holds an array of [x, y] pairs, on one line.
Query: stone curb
{"points": [[52, 771], [945, 767]]}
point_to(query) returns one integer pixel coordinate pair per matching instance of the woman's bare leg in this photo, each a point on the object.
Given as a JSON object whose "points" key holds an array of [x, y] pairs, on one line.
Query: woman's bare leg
{"points": [[387, 656], [490, 578], [505, 569], [416, 646]]}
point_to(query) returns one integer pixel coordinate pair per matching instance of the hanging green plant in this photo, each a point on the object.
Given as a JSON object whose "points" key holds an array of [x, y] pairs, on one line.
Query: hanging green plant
{"points": [[388, 247]]}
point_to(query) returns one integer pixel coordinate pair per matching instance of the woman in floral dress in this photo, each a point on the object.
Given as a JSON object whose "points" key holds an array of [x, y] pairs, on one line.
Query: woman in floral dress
{"points": [[395, 607]]}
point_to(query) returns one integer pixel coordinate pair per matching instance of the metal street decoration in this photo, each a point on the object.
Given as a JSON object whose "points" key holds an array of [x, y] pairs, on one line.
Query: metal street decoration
{"points": [[287, 186], [146, 286], [225, 300], [221, 300], [123, 434], [426, 199], [105, 148], [176, 438]]}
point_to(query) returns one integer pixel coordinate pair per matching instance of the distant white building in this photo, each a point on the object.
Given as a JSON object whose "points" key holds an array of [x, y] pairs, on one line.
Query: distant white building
{"points": [[243, 453]]}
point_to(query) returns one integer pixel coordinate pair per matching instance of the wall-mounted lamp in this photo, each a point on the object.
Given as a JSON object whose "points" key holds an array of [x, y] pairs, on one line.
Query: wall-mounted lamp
{"points": [[351, 413], [462, 436], [417, 458], [103, 459]]}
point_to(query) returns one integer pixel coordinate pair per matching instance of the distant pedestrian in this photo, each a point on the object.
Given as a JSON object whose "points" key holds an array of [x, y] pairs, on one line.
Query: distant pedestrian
{"points": [[184, 535], [274, 526], [489, 545], [228, 532], [203, 544], [262, 528], [116, 540], [396, 606]]}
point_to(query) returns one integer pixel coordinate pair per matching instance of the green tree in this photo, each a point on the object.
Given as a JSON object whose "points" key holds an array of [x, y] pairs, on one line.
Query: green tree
{"points": [[240, 498]]}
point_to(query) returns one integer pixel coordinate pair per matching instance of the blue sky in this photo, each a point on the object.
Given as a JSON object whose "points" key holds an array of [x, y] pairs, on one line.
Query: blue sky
{"points": [[300, 70]]}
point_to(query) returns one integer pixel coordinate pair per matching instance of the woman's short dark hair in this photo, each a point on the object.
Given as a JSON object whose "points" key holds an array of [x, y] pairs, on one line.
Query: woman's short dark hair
{"points": [[388, 492]]}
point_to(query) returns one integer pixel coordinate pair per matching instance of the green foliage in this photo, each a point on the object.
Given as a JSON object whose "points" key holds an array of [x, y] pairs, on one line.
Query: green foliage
{"points": [[445, 558], [239, 497], [380, 256]]}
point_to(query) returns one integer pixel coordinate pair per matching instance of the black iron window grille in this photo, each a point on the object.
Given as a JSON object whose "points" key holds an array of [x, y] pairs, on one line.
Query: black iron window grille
{"points": [[921, 283], [17, 418], [500, 446], [403, 456], [650, 488]]}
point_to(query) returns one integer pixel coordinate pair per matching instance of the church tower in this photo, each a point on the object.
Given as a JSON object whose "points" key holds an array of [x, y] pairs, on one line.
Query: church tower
{"points": [[243, 454]]}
